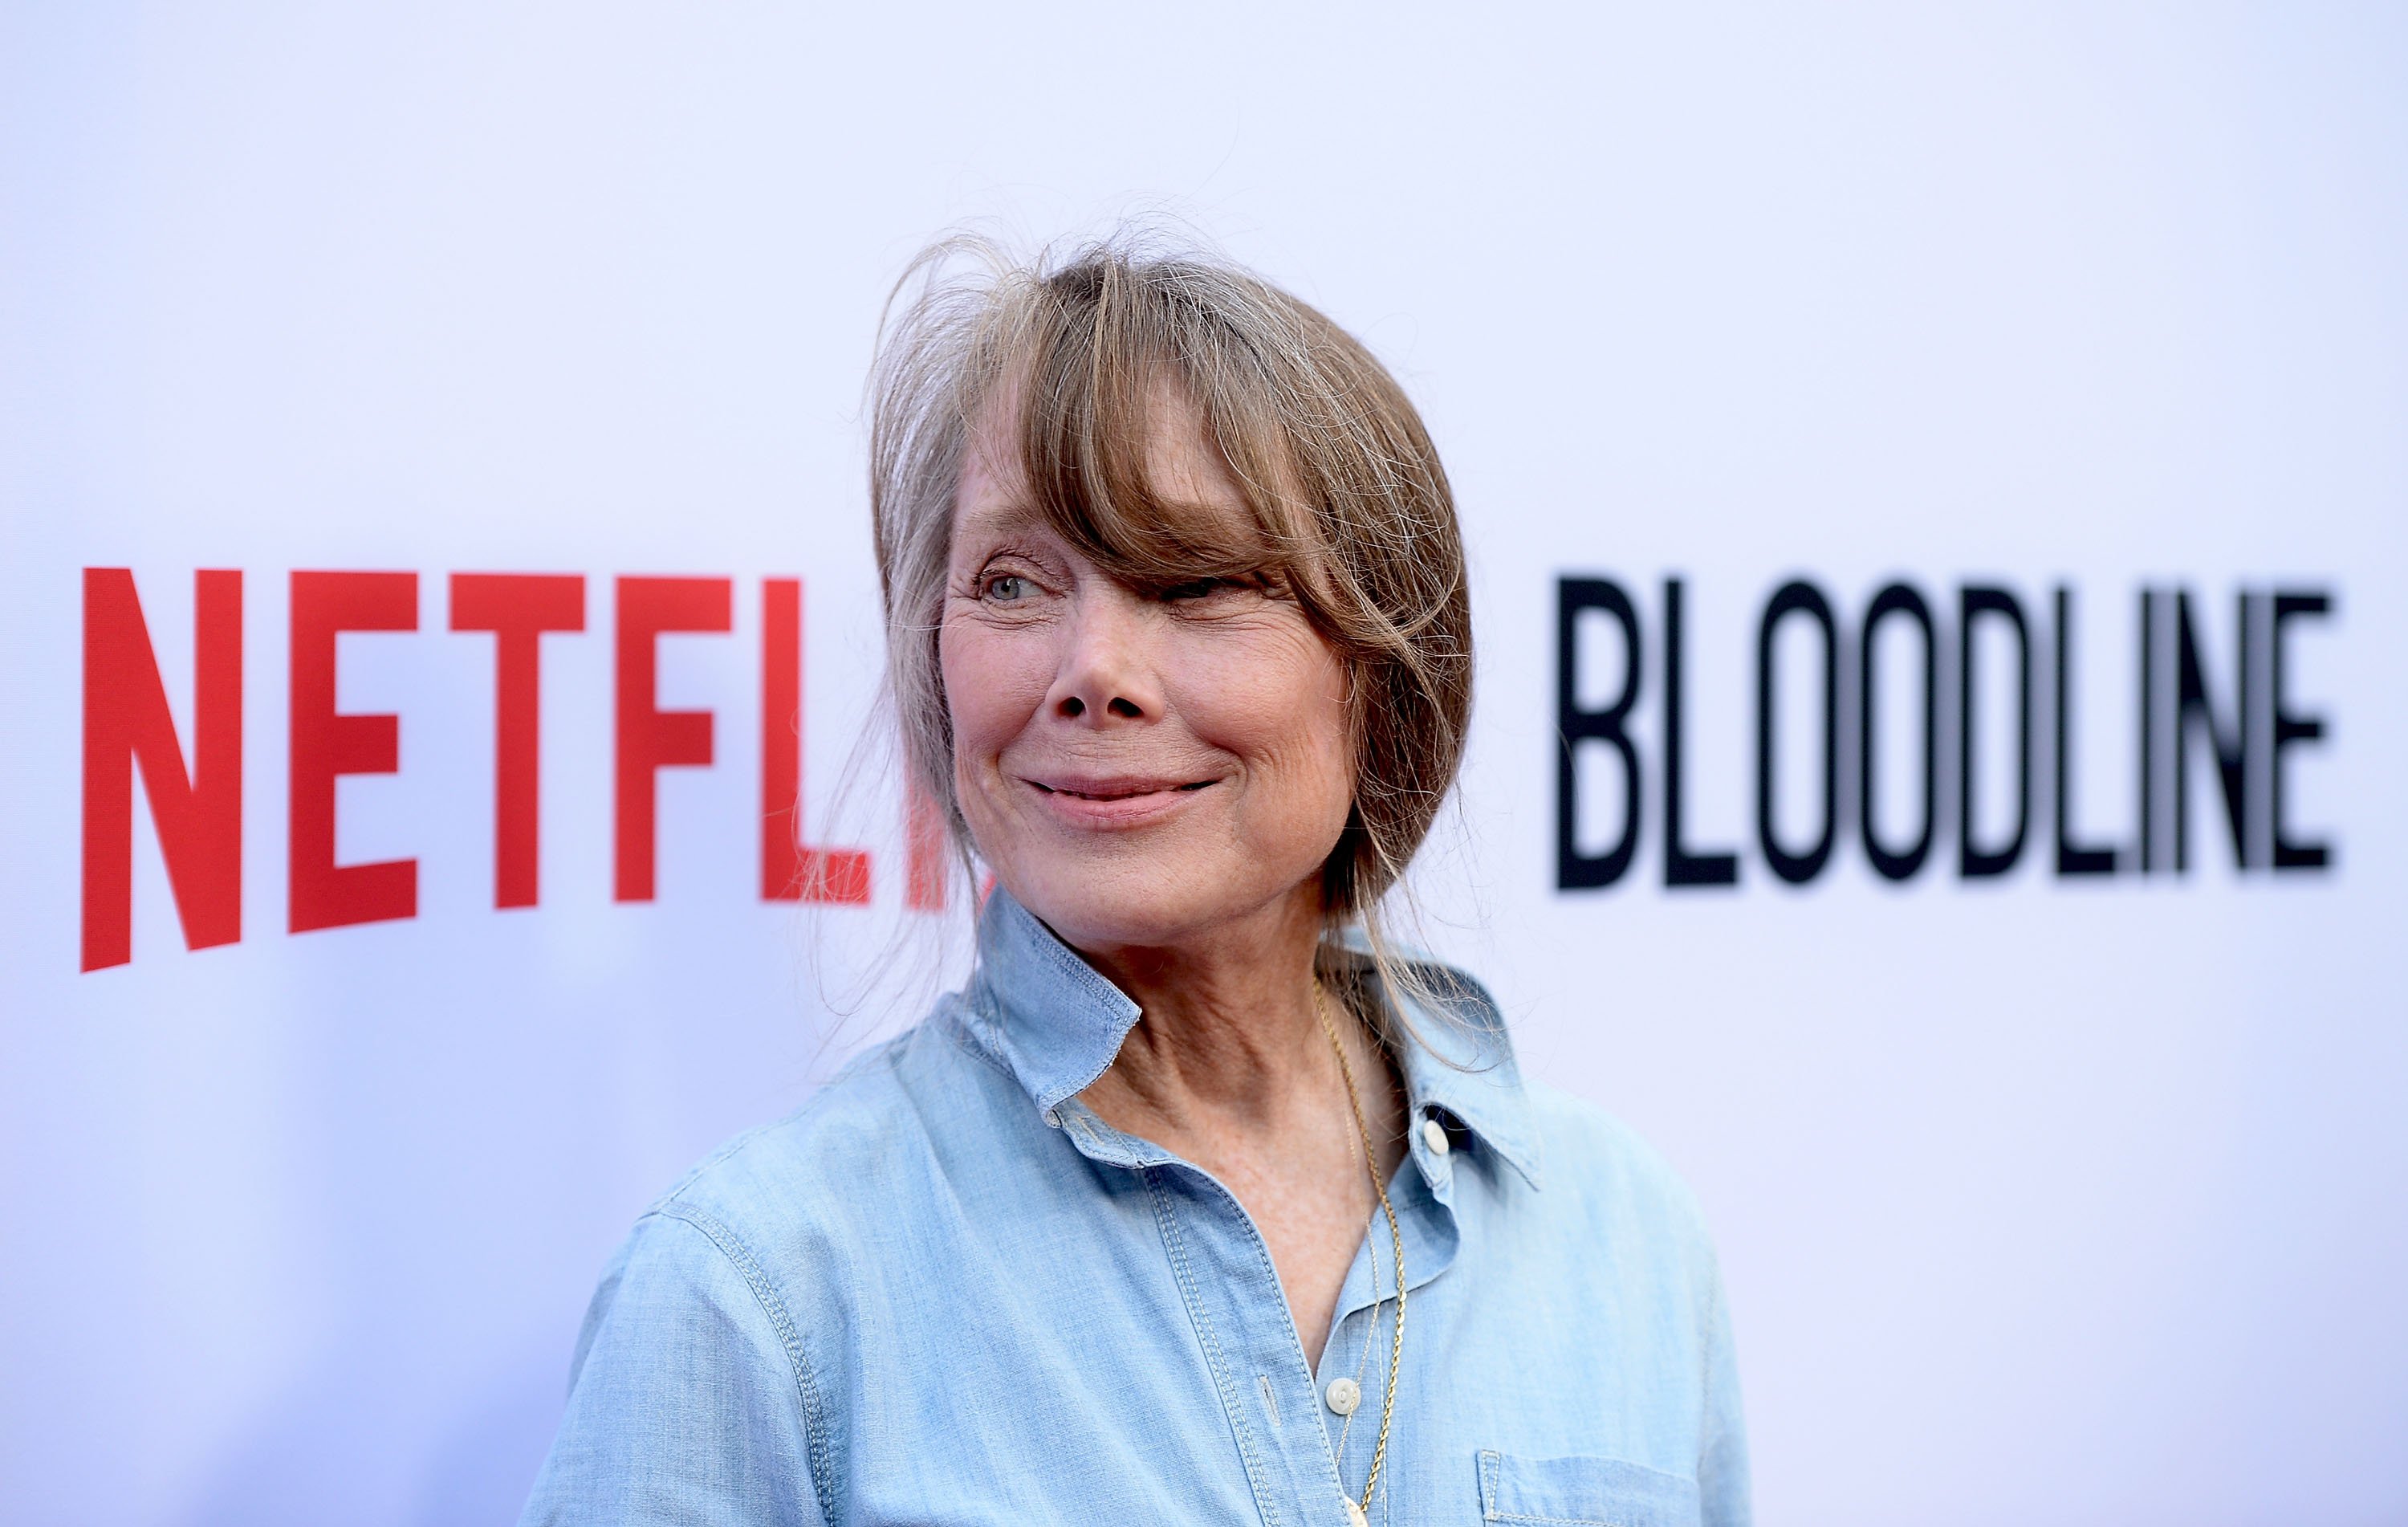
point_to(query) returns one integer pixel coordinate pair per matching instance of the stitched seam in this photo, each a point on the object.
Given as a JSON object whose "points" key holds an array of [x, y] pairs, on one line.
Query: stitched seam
{"points": [[1167, 1218], [1335, 1476], [824, 1483], [1083, 975], [973, 1010], [960, 1033], [822, 1097], [1335, 1465], [1710, 1427], [1068, 966]]}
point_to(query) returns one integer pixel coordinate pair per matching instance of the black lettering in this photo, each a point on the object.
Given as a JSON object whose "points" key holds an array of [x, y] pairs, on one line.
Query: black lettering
{"points": [[1682, 867], [1974, 602], [2289, 728], [2191, 702], [2072, 858], [2148, 739], [1897, 599], [1574, 724], [1798, 598]]}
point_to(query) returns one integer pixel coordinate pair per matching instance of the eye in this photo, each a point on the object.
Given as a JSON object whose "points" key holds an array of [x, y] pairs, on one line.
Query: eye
{"points": [[1007, 587], [1198, 588]]}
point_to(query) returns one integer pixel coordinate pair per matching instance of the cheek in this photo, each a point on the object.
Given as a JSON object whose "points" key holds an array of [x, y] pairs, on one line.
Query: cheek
{"points": [[1328, 766], [1282, 706], [994, 682]]}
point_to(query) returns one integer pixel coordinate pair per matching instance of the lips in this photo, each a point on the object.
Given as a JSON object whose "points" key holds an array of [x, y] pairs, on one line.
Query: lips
{"points": [[1115, 800]]}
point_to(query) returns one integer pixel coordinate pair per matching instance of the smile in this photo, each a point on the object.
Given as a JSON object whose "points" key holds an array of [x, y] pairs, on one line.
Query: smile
{"points": [[1115, 802]]}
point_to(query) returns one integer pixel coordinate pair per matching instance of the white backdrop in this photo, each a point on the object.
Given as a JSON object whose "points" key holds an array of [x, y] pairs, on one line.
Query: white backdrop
{"points": [[2075, 1198]]}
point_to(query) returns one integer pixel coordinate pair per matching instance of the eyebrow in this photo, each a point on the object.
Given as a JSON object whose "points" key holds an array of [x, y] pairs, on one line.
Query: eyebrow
{"points": [[1013, 516], [1009, 526]]}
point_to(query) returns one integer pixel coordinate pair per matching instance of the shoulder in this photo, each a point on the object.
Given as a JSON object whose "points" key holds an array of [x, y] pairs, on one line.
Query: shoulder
{"points": [[891, 1115], [715, 1336], [1586, 1151], [1600, 1171]]}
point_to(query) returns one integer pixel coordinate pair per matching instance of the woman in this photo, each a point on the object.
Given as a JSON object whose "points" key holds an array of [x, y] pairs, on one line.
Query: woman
{"points": [[1200, 1204]]}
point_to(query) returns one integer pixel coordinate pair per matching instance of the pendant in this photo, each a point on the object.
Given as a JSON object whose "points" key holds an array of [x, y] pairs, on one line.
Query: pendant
{"points": [[1354, 1516]]}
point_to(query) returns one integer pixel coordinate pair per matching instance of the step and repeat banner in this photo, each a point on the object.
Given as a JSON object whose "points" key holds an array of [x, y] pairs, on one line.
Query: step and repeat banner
{"points": [[1935, 488]]}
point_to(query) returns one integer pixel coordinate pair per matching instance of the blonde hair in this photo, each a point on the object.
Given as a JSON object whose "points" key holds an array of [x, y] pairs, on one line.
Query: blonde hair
{"points": [[1349, 506]]}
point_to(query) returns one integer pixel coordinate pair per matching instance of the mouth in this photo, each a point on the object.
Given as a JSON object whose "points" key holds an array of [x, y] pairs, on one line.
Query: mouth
{"points": [[1125, 801]]}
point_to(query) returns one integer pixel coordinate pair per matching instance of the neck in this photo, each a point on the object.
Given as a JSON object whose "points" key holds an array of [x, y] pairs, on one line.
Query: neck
{"points": [[1228, 1024], [1229, 1068]]}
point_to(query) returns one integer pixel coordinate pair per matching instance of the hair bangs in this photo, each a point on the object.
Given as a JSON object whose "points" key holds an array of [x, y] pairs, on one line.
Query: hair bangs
{"points": [[1098, 370]]}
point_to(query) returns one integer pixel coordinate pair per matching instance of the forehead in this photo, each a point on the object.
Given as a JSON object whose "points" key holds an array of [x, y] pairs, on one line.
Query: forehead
{"points": [[991, 497], [1158, 484]]}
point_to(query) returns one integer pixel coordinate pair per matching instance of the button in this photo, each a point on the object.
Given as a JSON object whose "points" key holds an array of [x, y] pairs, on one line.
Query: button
{"points": [[1344, 1396], [1434, 1137]]}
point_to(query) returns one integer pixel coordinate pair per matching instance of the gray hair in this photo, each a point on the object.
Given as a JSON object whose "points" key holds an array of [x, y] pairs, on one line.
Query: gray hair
{"points": [[1342, 483]]}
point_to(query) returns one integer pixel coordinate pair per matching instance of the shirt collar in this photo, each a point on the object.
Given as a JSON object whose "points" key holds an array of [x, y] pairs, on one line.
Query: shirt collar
{"points": [[1459, 1061], [1057, 1023]]}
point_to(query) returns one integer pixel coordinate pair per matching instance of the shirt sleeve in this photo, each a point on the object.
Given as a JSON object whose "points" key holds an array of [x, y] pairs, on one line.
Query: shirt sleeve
{"points": [[1722, 1456], [686, 1400]]}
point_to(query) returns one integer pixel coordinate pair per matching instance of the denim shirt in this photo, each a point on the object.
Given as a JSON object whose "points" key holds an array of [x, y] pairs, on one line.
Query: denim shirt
{"points": [[944, 1291]]}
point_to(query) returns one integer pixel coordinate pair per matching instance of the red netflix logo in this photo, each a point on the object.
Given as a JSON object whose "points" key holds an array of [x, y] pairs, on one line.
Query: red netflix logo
{"points": [[128, 729], [127, 723]]}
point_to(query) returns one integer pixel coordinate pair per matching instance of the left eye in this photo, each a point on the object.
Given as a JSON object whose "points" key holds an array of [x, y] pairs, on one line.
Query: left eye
{"points": [[1009, 586], [1201, 588]]}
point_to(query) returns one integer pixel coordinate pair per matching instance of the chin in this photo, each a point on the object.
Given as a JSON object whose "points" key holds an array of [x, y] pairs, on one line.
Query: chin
{"points": [[1136, 906]]}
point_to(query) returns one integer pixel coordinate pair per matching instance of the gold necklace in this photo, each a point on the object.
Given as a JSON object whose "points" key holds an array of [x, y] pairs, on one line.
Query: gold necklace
{"points": [[1357, 1512]]}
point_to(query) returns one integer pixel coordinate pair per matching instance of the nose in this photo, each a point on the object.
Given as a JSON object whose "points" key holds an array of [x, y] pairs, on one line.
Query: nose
{"points": [[1107, 673]]}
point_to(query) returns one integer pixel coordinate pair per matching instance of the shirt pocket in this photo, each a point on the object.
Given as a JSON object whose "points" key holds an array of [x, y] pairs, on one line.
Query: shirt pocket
{"points": [[1584, 1492]]}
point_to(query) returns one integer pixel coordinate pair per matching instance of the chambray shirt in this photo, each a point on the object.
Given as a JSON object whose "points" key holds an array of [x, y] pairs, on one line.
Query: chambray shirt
{"points": [[946, 1292]]}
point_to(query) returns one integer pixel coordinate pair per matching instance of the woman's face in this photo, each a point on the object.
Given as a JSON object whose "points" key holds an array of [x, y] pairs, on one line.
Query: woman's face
{"points": [[1139, 770]]}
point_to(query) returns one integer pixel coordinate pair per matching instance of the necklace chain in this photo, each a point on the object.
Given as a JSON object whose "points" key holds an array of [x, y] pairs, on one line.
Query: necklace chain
{"points": [[1370, 1332], [1397, 1244]]}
